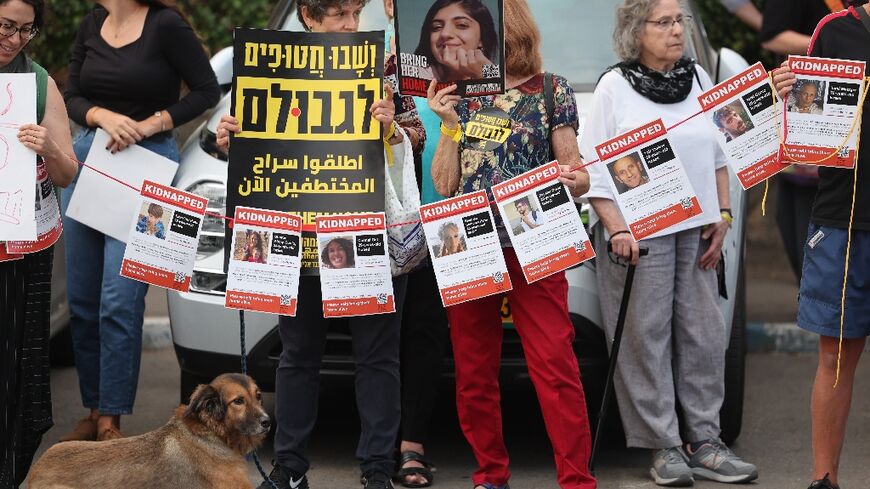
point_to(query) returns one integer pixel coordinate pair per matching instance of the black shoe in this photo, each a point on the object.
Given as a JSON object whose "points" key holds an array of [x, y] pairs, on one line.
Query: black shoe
{"points": [[284, 479], [377, 480], [823, 483]]}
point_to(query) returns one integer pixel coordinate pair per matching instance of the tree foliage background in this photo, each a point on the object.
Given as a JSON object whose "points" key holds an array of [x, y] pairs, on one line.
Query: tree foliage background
{"points": [[214, 21]]}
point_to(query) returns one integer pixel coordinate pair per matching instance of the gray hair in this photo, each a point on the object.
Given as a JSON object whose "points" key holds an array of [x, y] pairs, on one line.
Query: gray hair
{"points": [[631, 19], [317, 8]]}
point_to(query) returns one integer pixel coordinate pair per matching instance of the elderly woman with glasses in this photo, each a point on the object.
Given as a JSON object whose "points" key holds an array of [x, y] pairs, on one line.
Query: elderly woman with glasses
{"points": [[675, 345]]}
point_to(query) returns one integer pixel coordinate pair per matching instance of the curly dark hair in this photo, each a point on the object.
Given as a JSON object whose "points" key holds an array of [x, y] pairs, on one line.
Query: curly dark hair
{"points": [[346, 245], [317, 8], [477, 11]]}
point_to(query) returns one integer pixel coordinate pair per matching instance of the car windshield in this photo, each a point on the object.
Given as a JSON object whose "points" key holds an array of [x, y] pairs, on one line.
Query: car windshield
{"points": [[576, 40]]}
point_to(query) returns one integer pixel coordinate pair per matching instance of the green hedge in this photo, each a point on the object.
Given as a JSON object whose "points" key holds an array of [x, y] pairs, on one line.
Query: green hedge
{"points": [[724, 29], [214, 21]]}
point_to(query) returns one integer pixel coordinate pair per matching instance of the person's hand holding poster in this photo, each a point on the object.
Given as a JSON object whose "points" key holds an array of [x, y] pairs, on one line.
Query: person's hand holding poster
{"points": [[543, 222], [466, 253], [451, 42], [822, 112], [264, 266], [48, 221], [161, 247], [741, 109], [355, 277], [648, 179]]}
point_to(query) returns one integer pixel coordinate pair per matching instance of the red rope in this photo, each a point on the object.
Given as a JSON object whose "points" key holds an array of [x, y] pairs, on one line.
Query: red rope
{"points": [[310, 227]]}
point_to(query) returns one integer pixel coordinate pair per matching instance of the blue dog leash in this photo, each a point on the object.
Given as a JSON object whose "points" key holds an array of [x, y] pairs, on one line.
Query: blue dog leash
{"points": [[244, 356]]}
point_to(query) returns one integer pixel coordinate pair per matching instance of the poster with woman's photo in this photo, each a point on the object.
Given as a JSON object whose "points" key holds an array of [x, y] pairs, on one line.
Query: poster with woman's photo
{"points": [[543, 222], [163, 237], [742, 111], [451, 41], [355, 277], [265, 261], [822, 112], [48, 221], [648, 179], [466, 252]]}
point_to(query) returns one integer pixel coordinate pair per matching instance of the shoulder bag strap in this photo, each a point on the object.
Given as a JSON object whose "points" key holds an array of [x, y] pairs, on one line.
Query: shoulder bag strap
{"points": [[865, 17], [550, 104]]}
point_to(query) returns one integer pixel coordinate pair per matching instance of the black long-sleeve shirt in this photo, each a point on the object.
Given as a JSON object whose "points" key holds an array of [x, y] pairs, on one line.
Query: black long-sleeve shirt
{"points": [[143, 76]]}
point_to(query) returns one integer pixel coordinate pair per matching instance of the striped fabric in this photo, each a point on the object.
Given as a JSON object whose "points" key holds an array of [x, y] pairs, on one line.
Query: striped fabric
{"points": [[25, 399]]}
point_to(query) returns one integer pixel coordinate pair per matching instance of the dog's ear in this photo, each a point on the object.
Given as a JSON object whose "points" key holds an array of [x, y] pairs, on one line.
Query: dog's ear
{"points": [[208, 400]]}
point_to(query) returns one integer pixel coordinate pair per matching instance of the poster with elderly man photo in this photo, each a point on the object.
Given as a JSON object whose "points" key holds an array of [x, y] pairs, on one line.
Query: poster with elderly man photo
{"points": [[451, 41]]}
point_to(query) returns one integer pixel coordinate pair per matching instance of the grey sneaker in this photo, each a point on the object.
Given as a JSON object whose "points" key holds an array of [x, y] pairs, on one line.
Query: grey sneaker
{"points": [[715, 461], [669, 468]]}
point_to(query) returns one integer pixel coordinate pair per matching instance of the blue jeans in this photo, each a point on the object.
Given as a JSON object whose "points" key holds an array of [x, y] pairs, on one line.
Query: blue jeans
{"points": [[106, 309]]}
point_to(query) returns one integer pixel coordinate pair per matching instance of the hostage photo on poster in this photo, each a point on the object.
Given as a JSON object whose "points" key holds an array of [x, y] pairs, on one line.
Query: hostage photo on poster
{"points": [[309, 144], [452, 41]]}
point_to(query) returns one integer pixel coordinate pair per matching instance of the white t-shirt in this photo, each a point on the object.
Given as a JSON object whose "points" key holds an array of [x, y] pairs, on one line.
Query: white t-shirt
{"points": [[537, 218], [617, 108]]}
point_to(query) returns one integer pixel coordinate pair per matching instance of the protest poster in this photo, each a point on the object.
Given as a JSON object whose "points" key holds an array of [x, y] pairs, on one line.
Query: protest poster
{"points": [[355, 278], [542, 221], [17, 163], [309, 144], [741, 109], [163, 238], [103, 180], [6, 256], [48, 222], [450, 44], [822, 112], [264, 266], [465, 249], [648, 179]]}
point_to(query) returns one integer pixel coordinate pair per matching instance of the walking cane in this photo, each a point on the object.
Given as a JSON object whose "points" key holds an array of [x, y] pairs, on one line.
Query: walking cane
{"points": [[614, 354]]}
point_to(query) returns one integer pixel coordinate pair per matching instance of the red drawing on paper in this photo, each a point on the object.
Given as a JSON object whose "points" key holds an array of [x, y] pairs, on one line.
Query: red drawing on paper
{"points": [[8, 104], [4, 161], [10, 207]]}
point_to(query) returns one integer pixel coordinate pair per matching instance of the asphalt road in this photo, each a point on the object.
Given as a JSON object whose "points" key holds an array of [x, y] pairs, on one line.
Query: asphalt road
{"points": [[775, 431]]}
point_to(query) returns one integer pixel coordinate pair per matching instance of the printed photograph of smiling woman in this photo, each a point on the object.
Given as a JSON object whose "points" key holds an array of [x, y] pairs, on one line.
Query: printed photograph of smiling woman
{"points": [[451, 41]]}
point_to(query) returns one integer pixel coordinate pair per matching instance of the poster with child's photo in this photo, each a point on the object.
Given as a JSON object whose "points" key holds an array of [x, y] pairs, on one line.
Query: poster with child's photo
{"points": [[451, 41], [153, 220], [251, 246]]}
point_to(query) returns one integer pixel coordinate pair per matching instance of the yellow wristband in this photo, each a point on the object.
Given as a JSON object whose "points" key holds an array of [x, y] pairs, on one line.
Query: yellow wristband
{"points": [[391, 132], [454, 134], [727, 217]]}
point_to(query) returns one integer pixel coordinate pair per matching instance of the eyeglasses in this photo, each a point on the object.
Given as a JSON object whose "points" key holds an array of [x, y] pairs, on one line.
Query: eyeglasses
{"points": [[25, 33], [668, 23]]}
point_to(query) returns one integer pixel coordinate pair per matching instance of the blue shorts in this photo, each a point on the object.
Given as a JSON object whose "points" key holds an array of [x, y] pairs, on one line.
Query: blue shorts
{"points": [[822, 283]]}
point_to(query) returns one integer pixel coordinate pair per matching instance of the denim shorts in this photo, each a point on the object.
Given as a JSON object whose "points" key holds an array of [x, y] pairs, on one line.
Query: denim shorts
{"points": [[821, 288]]}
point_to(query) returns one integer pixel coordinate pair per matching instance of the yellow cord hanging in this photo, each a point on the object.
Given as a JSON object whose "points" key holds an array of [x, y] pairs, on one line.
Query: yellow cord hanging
{"points": [[764, 198], [784, 152]]}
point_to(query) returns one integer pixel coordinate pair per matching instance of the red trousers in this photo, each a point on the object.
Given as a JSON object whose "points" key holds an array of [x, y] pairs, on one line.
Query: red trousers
{"points": [[540, 313]]}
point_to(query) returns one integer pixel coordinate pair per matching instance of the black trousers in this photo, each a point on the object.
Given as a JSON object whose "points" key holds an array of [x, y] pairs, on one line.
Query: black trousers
{"points": [[424, 339], [375, 345], [793, 209]]}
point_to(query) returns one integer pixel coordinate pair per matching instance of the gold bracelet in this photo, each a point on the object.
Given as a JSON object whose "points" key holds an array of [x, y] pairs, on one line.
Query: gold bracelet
{"points": [[454, 134]]}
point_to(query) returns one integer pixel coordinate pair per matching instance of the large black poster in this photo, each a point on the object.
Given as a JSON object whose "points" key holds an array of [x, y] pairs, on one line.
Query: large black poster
{"points": [[309, 144]]}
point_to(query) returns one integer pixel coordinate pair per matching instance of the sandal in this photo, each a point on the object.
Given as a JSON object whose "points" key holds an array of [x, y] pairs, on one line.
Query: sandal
{"points": [[426, 471]]}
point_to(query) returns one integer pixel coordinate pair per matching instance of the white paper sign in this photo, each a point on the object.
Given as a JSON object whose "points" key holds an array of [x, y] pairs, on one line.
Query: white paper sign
{"points": [[93, 191], [742, 111], [821, 110], [17, 162], [648, 179], [161, 247], [48, 222], [543, 223], [355, 277], [264, 266], [466, 252]]}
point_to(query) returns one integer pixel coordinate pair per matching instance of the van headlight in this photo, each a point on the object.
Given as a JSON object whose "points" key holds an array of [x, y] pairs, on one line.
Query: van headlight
{"points": [[211, 237]]}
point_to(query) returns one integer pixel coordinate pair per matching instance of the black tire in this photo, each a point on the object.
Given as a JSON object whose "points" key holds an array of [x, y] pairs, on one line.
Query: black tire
{"points": [[731, 413], [189, 382]]}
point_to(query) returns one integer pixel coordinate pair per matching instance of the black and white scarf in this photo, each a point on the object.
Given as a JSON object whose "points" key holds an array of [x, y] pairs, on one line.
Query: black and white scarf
{"points": [[670, 87]]}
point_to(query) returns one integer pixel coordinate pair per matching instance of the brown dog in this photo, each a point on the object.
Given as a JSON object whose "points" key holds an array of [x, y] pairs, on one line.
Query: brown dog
{"points": [[201, 447]]}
